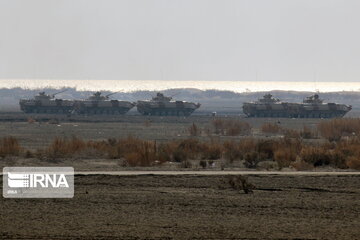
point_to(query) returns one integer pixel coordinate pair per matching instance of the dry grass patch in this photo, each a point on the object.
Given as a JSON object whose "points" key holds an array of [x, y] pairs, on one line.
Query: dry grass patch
{"points": [[230, 127], [353, 163], [334, 129], [9, 146], [194, 130], [302, 166], [272, 128]]}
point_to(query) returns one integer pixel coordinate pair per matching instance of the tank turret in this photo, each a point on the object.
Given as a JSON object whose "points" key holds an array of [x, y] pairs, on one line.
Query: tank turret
{"points": [[162, 105], [268, 98], [161, 98]]}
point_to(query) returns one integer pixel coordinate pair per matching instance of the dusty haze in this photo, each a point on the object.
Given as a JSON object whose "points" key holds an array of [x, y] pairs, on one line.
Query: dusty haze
{"points": [[277, 40]]}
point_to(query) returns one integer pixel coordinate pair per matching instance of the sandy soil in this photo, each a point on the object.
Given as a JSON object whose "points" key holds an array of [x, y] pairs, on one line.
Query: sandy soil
{"points": [[190, 207]]}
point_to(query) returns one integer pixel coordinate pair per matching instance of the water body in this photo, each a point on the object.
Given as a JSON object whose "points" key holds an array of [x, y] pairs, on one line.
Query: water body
{"points": [[134, 85]]}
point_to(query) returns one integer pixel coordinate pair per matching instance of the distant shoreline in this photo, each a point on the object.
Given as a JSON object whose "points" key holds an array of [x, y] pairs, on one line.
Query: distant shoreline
{"points": [[160, 85]]}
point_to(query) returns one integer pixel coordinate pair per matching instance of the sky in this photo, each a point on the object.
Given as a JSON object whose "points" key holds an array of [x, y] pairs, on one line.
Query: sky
{"points": [[239, 40]]}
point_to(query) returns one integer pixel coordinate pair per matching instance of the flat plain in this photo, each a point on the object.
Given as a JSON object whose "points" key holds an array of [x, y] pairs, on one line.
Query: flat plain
{"points": [[40, 132], [190, 207], [173, 206]]}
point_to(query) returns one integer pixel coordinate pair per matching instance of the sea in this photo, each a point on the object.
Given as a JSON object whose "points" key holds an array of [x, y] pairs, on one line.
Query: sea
{"points": [[153, 85]]}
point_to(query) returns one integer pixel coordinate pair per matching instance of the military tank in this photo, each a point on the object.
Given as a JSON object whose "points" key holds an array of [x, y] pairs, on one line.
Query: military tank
{"points": [[46, 103], [99, 104], [161, 105], [311, 107]]}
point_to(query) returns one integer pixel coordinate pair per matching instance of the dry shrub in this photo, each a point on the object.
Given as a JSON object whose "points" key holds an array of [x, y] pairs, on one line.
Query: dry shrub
{"points": [[230, 127], [284, 157], [194, 130], [247, 144], [241, 183], [267, 148], [317, 156], [334, 129], [353, 163], [302, 166], [218, 125], [136, 152], [270, 128], [203, 163], [120, 148], [64, 148], [244, 149], [192, 148], [344, 153], [40, 154], [179, 155], [236, 127], [307, 133], [9, 146], [232, 151], [212, 151], [291, 133], [337, 155], [165, 151], [75, 147], [144, 156], [252, 159], [28, 154], [254, 151]]}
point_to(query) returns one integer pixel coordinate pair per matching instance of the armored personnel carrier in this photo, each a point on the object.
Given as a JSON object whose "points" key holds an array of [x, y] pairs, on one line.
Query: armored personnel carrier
{"points": [[311, 107], [99, 104], [46, 103], [161, 105]]}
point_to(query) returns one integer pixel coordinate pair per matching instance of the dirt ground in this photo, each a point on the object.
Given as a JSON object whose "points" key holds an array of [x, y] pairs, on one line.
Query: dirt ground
{"points": [[190, 207]]}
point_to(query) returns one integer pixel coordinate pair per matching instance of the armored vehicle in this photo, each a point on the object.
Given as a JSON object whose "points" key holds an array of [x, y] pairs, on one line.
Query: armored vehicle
{"points": [[311, 107], [161, 105], [46, 103], [99, 104]]}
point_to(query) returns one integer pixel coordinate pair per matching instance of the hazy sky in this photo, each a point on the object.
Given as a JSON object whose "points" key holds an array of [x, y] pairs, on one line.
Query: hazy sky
{"points": [[267, 40]]}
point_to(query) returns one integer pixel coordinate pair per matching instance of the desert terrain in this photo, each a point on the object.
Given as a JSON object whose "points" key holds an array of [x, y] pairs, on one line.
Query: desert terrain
{"points": [[190, 207], [38, 130], [34, 132], [160, 206]]}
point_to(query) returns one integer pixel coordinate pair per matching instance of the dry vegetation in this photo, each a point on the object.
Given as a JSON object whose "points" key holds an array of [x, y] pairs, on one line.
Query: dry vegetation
{"points": [[335, 129], [194, 130], [241, 183], [342, 150], [270, 128], [230, 127], [284, 152], [275, 128], [9, 146]]}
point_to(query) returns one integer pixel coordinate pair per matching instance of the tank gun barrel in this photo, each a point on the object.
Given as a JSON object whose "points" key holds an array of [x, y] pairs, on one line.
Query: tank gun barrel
{"points": [[174, 94], [53, 95], [111, 94]]}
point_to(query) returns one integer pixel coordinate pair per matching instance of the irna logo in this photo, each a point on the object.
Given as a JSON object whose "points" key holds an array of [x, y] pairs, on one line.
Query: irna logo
{"points": [[19, 180], [38, 182]]}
